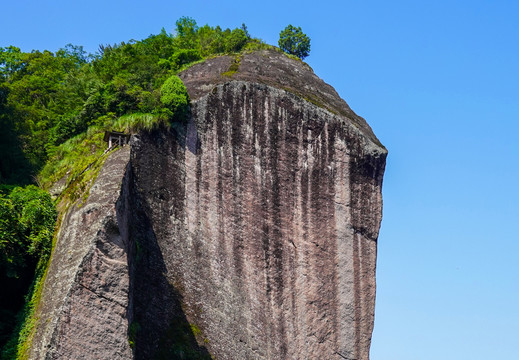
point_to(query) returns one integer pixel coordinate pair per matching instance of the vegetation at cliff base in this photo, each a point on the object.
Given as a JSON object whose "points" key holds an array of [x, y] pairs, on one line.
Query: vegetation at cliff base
{"points": [[27, 219]]}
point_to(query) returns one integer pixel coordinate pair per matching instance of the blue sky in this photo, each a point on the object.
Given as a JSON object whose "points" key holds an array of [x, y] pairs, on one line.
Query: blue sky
{"points": [[438, 81]]}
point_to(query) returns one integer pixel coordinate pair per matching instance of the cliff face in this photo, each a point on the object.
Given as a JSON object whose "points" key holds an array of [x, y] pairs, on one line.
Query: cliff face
{"points": [[83, 307], [247, 233]]}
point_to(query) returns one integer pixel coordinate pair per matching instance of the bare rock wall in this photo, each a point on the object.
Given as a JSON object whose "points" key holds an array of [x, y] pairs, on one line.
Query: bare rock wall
{"points": [[266, 210]]}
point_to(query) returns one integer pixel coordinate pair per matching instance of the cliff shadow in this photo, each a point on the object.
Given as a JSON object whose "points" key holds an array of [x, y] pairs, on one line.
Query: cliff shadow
{"points": [[158, 327], [186, 134]]}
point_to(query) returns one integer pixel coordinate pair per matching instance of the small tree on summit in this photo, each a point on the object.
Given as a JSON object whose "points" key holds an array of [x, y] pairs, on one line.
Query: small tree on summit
{"points": [[293, 41]]}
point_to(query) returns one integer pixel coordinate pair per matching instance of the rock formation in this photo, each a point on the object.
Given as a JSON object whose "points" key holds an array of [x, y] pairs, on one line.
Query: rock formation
{"points": [[249, 232]]}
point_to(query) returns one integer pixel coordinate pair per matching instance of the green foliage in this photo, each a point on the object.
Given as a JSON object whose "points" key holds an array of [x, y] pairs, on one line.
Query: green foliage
{"points": [[36, 218], [132, 333], [12, 250], [139, 121], [183, 57], [27, 221], [257, 44], [293, 41], [47, 98], [75, 52], [235, 41], [187, 30], [173, 95], [34, 97], [72, 158], [27, 218], [245, 31], [10, 60]]}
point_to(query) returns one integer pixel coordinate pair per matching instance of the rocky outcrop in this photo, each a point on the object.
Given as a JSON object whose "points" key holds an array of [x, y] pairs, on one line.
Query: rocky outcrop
{"points": [[248, 232], [83, 311]]}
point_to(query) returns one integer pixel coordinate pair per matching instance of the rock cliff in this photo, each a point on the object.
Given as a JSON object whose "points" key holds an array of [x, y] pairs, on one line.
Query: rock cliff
{"points": [[249, 232]]}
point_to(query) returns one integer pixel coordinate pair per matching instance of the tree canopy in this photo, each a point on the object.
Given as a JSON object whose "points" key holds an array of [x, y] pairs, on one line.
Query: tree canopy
{"points": [[27, 220], [293, 41], [48, 98]]}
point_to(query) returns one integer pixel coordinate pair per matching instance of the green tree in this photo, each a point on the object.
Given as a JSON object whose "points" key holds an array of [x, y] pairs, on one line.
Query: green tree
{"points": [[183, 57], [10, 60], [14, 166], [293, 41], [34, 94], [235, 40], [47, 98], [186, 32]]}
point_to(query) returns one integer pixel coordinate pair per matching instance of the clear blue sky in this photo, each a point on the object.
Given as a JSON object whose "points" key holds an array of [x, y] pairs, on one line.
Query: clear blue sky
{"points": [[439, 83]]}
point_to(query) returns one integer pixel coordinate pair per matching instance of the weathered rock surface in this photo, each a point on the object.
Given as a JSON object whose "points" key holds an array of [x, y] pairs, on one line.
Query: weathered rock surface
{"points": [[84, 303], [248, 233]]}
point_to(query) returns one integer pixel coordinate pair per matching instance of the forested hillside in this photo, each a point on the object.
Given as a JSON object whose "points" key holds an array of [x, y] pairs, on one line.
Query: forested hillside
{"points": [[54, 109], [48, 98]]}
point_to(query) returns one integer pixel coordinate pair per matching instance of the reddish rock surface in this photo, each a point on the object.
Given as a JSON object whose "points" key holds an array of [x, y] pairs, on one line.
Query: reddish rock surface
{"points": [[249, 232]]}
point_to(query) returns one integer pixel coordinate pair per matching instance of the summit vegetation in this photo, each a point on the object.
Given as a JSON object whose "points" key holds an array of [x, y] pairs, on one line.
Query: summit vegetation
{"points": [[294, 41], [48, 98]]}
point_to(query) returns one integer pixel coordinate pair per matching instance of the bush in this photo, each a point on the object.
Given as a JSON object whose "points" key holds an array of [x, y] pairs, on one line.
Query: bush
{"points": [[174, 96], [183, 57], [236, 40]]}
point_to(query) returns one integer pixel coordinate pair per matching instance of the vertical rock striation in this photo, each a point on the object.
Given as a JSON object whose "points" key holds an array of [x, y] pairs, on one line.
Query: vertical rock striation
{"points": [[250, 231]]}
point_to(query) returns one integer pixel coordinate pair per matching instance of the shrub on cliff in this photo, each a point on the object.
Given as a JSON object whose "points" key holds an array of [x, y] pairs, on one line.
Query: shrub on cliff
{"points": [[293, 41], [174, 96]]}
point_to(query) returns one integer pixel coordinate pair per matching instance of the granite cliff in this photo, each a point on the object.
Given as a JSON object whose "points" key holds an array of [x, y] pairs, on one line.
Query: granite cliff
{"points": [[248, 232]]}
